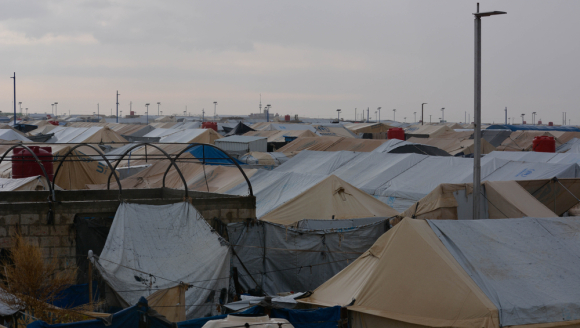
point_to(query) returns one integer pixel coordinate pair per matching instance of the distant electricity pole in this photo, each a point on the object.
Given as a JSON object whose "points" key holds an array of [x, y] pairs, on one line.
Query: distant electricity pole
{"points": [[14, 77], [379, 109], [422, 120], [443, 114], [147, 106], [338, 111], [214, 109], [118, 106], [415, 113], [158, 103], [394, 112]]}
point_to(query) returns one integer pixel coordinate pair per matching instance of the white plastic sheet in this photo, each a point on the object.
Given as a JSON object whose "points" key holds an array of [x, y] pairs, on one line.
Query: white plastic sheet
{"points": [[156, 247]]}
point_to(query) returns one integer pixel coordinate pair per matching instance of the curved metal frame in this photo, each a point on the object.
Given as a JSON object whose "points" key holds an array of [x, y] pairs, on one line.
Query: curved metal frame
{"points": [[161, 150], [100, 153], [228, 155], [50, 188]]}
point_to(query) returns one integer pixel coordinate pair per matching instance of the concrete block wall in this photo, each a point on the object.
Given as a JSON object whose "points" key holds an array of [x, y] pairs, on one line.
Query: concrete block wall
{"points": [[56, 240]]}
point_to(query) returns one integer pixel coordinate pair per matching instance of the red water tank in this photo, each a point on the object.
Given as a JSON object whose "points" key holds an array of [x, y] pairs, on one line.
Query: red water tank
{"points": [[539, 122], [24, 165], [550, 123], [525, 122], [132, 113], [53, 122], [544, 144], [209, 125], [396, 133], [287, 118]]}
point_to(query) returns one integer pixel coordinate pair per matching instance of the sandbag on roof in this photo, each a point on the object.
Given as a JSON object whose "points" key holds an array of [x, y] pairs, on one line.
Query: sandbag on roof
{"points": [[180, 247], [446, 273], [330, 199], [502, 199]]}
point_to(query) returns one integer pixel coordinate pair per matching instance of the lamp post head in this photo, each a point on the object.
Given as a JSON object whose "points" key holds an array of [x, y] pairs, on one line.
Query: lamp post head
{"points": [[56, 103], [423, 104], [489, 13], [379, 108], [215, 102], [158, 103]]}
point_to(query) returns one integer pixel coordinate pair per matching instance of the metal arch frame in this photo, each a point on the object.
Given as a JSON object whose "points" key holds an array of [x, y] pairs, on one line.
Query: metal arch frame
{"points": [[164, 153], [100, 153], [228, 155], [50, 188]]}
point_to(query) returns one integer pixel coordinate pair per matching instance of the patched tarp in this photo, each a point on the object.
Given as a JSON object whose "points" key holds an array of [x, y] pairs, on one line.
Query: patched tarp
{"points": [[527, 267], [156, 247], [283, 259]]}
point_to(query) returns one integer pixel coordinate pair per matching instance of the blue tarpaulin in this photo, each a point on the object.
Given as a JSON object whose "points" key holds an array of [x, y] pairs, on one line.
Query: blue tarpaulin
{"points": [[128, 318], [566, 128], [212, 155], [315, 318], [76, 295]]}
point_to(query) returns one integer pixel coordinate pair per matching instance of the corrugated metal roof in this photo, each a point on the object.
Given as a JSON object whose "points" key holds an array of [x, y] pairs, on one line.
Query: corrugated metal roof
{"points": [[242, 139]]}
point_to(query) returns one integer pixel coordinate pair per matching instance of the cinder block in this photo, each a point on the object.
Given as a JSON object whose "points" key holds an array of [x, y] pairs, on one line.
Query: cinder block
{"points": [[29, 219], [59, 230], [11, 219], [3, 232], [50, 241], [60, 251], [38, 230], [45, 252], [67, 241], [228, 213], [33, 241], [6, 242], [64, 218], [210, 214], [246, 213]]}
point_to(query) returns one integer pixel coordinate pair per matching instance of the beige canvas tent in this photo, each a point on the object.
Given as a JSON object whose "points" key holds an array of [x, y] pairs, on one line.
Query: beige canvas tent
{"points": [[25, 184], [79, 169], [212, 178], [504, 199], [367, 127], [330, 199], [522, 140], [469, 274], [426, 131]]}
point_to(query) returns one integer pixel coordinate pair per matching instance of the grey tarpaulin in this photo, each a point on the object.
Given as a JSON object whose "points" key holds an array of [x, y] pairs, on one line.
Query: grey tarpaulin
{"points": [[284, 259], [529, 268]]}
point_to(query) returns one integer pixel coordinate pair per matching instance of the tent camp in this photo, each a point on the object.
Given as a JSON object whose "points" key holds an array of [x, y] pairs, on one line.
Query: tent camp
{"points": [[279, 136], [95, 134], [180, 248], [330, 199], [373, 127], [10, 135], [501, 200], [395, 146], [446, 273], [268, 160]]}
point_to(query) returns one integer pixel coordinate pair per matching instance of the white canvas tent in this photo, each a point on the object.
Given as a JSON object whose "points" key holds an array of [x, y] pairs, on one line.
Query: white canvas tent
{"points": [[156, 247]]}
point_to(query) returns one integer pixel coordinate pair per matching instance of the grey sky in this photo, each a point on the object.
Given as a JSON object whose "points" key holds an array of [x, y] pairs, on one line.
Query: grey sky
{"points": [[305, 57]]}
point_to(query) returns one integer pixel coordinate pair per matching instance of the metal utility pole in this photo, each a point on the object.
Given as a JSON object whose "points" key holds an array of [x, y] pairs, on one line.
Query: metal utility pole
{"points": [[394, 112], [51, 109], [203, 112], [533, 118], [338, 111], [20, 103], [523, 118], [429, 119], [422, 120], [158, 103], [379, 109], [55, 109], [465, 117], [118, 106], [260, 103], [477, 111], [443, 114], [214, 109], [367, 114], [14, 77], [355, 114], [147, 106], [98, 111], [415, 113], [506, 121]]}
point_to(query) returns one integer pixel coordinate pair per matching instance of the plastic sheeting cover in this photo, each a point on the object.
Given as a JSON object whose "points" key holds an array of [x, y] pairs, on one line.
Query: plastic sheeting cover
{"points": [[172, 243], [527, 267]]}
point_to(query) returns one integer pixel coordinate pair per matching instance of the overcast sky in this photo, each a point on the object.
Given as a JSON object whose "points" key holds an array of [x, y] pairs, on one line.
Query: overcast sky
{"points": [[305, 57]]}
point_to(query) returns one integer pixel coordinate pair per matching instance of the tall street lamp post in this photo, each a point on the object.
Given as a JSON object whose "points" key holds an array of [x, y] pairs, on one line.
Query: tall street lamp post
{"points": [[394, 112], [147, 106], [158, 104], [338, 111], [477, 111], [422, 120]]}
